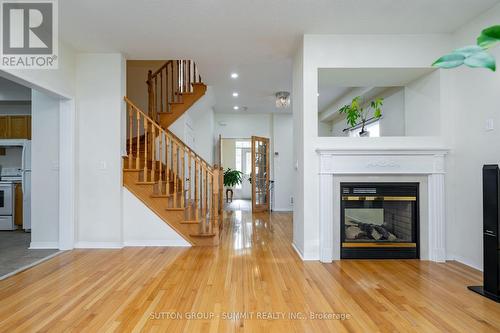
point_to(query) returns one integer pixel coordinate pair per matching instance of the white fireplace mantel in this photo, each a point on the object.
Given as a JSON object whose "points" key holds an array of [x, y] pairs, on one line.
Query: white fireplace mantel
{"points": [[372, 162]]}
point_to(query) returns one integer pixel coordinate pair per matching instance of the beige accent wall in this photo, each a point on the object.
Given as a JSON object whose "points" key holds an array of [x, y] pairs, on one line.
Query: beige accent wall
{"points": [[137, 75]]}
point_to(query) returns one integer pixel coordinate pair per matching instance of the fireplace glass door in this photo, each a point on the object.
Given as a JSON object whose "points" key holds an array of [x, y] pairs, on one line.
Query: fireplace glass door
{"points": [[379, 220]]}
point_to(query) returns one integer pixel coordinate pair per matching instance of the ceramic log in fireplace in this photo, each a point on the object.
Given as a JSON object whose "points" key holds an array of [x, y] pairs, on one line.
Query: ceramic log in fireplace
{"points": [[379, 221]]}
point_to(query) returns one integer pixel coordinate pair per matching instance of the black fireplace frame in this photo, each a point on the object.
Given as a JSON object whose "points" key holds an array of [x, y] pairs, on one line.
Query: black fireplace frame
{"points": [[389, 188]]}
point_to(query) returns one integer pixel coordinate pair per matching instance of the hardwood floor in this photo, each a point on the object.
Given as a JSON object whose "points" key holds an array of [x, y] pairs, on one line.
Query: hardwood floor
{"points": [[255, 272]]}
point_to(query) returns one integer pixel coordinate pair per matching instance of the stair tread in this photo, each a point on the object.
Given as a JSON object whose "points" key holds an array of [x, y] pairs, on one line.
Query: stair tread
{"points": [[191, 222], [174, 209], [161, 195], [202, 235]]}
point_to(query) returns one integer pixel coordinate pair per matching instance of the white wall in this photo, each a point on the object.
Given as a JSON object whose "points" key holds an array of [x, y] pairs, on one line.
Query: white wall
{"points": [[12, 158], [283, 163], [298, 148], [243, 125], [422, 106], [99, 104], [10, 91], [393, 117], [349, 51], [196, 126], [142, 227], [45, 171], [15, 109], [59, 81], [474, 98]]}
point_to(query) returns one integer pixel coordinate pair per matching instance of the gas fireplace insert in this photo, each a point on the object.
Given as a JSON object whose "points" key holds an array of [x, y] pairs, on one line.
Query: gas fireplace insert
{"points": [[379, 220]]}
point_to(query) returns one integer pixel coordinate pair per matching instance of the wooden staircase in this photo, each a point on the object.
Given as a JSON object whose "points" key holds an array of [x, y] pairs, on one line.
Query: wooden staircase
{"points": [[172, 90], [161, 170]]}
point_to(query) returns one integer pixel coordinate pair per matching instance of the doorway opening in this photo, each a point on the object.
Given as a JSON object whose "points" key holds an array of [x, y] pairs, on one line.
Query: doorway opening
{"points": [[31, 157], [249, 157]]}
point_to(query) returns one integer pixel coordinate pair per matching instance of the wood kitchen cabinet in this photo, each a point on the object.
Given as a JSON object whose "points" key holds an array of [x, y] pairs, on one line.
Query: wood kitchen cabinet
{"points": [[4, 126], [18, 205], [15, 127]]}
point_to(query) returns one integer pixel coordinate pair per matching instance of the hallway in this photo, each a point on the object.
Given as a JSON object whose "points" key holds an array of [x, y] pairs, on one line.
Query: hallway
{"points": [[253, 282]]}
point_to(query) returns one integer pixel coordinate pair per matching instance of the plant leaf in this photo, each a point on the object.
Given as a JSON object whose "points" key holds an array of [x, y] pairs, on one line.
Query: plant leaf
{"points": [[450, 60], [481, 60], [489, 37], [467, 51]]}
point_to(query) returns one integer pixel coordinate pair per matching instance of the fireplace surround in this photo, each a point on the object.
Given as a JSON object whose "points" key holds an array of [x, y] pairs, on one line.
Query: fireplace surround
{"points": [[426, 166]]}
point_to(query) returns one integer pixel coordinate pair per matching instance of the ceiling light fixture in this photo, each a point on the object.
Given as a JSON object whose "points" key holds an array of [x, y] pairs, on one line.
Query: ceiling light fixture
{"points": [[235, 94], [282, 99], [234, 75], [236, 107]]}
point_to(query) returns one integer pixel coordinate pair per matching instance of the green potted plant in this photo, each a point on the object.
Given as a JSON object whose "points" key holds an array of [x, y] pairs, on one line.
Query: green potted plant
{"points": [[356, 114], [475, 56], [231, 179]]}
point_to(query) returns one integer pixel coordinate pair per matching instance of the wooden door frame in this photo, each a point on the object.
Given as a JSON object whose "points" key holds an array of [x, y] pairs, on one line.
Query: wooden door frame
{"points": [[254, 205]]}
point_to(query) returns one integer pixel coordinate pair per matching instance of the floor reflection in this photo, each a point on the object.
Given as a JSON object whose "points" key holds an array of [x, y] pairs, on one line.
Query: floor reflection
{"points": [[247, 230]]}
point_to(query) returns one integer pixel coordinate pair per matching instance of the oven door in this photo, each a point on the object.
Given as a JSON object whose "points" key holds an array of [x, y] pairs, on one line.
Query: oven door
{"points": [[5, 199]]}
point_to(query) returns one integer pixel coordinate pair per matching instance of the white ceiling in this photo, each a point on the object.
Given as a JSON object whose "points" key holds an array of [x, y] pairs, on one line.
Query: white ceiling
{"points": [[255, 38]]}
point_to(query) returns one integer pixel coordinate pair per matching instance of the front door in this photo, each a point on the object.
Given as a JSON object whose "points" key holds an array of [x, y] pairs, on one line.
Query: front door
{"points": [[260, 174]]}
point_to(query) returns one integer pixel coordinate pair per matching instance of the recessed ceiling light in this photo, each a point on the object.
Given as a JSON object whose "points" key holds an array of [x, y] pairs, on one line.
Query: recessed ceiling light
{"points": [[235, 94], [236, 107], [234, 75]]}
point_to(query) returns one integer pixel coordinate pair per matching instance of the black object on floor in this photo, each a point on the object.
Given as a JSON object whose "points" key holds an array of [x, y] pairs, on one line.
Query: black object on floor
{"points": [[491, 241]]}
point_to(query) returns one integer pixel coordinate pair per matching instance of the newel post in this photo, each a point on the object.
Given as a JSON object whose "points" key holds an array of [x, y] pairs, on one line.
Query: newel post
{"points": [[150, 94], [216, 193]]}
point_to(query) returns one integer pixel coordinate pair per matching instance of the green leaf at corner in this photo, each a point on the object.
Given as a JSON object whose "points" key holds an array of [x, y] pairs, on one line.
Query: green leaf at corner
{"points": [[481, 60], [451, 60], [489, 37], [377, 113], [467, 51]]}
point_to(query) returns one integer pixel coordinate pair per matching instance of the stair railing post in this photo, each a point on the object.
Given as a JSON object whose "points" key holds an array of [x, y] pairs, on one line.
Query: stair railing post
{"points": [[153, 153], [138, 141], [175, 168], [145, 149], [215, 195], [189, 196], [130, 136], [160, 158], [150, 93], [168, 153], [196, 189], [183, 175]]}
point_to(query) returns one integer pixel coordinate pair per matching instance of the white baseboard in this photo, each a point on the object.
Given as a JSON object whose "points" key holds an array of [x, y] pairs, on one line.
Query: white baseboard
{"points": [[98, 245], [284, 210], [162, 243], [464, 261], [298, 251], [44, 245]]}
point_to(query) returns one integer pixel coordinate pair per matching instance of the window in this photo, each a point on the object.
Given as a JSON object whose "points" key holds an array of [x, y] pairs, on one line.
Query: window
{"points": [[243, 158]]}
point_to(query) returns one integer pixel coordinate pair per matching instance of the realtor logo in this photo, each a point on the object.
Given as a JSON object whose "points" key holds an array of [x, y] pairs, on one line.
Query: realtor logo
{"points": [[29, 34]]}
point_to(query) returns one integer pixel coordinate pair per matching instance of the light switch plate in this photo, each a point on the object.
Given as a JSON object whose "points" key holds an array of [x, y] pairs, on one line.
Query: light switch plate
{"points": [[490, 125]]}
